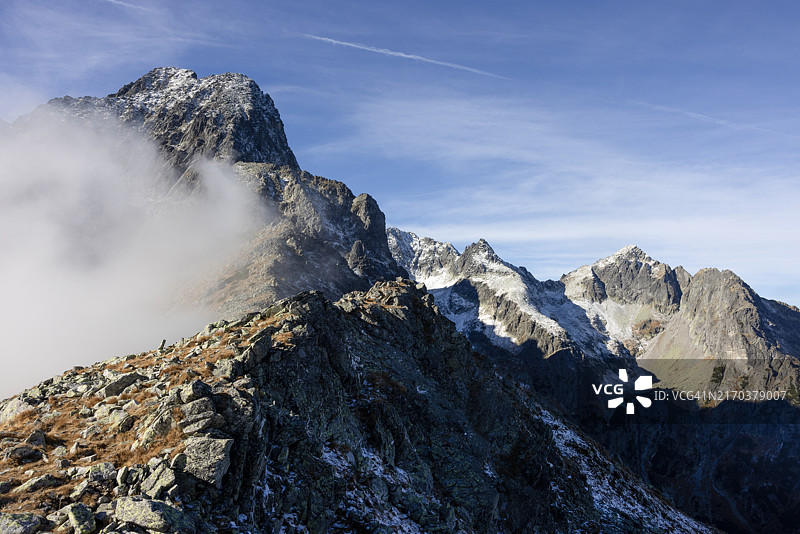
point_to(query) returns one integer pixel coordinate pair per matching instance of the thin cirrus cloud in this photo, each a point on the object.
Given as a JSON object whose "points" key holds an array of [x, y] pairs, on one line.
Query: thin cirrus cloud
{"points": [[528, 177], [733, 125], [128, 5], [394, 53]]}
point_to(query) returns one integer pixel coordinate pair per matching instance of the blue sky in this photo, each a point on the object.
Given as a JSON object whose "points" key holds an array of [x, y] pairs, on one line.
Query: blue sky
{"points": [[558, 131]]}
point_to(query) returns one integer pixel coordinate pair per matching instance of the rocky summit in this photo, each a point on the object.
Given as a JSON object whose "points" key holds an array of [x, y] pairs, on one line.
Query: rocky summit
{"points": [[367, 380], [225, 116]]}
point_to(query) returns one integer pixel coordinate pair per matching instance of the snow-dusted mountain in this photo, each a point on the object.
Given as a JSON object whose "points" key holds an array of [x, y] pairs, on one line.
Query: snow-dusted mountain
{"points": [[224, 116], [709, 331], [624, 305], [312, 232]]}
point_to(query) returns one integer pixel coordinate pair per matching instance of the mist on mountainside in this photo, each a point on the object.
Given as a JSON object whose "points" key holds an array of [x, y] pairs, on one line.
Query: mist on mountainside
{"points": [[97, 241]]}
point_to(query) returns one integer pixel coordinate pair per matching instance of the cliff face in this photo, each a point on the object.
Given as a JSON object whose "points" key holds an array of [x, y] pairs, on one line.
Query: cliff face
{"points": [[319, 236], [370, 414]]}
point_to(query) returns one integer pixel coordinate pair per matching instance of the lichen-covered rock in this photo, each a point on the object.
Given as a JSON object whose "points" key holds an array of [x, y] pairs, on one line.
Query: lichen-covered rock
{"points": [[160, 480], [152, 515], [81, 518], [12, 408], [208, 458], [20, 523], [43, 481], [101, 472], [156, 426]]}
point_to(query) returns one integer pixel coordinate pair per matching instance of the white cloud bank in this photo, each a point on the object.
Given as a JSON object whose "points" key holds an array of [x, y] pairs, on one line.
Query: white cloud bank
{"points": [[93, 256]]}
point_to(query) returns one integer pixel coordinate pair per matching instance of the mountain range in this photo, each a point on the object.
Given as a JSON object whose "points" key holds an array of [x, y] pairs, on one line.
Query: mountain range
{"points": [[365, 379]]}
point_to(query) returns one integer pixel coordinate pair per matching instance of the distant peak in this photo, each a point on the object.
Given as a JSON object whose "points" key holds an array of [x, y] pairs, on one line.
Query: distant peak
{"points": [[482, 251], [626, 254], [630, 249], [483, 245]]}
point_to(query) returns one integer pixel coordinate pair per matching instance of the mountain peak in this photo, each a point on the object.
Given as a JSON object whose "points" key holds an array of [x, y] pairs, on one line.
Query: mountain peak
{"points": [[158, 79], [628, 254], [223, 116]]}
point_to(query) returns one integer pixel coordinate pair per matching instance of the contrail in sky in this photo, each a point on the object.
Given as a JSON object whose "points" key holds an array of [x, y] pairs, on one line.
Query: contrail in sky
{"points": [[387, 52], [707, 118], [126, 4]]}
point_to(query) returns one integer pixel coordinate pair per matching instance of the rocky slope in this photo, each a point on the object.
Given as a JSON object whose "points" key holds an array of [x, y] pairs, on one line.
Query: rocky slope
{"points": [[370, 414], [320, 237]]}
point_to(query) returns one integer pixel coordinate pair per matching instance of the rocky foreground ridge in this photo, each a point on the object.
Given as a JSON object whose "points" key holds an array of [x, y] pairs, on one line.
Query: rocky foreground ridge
{"points": [[370, 414]]}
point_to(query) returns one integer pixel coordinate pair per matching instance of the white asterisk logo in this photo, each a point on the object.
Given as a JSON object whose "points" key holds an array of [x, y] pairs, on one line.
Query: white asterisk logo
{"points": [[642, 383]]}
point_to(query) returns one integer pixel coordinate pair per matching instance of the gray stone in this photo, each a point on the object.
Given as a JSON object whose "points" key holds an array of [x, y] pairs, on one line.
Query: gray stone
{"points": [[122, 475], [37, 438], [159, 480], [23, 454], [20, 523], [101, 472], [198, 424], [44, 481], [12, 408], [195, 390], [81, 518], [152, 515], [118, 385], [79, 490], [199, 406], [159, 425], [208, 458]]}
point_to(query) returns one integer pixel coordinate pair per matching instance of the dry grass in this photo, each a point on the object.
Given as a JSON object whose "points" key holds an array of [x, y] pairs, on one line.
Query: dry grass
{"points": [[177, 365], [285, 338]]}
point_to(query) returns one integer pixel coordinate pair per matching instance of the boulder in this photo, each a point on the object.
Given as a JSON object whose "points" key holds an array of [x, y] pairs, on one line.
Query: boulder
{"points": [[20, 523], [118, 385], [44, 481], [153, 515], [208, 458], [160, 480], [12, 409], [81, 518]]}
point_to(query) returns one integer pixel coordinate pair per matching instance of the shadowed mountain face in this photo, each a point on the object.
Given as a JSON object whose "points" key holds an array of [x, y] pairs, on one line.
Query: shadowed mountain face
{"points": [[322, 237], [704, 332]]}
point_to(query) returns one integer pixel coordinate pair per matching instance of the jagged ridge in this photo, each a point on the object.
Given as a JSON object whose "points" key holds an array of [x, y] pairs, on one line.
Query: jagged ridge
{"points": [[370, 414]]}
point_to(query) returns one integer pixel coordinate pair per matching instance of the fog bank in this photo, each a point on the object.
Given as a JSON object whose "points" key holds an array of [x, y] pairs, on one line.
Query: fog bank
{"points": [[97, 244]]}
